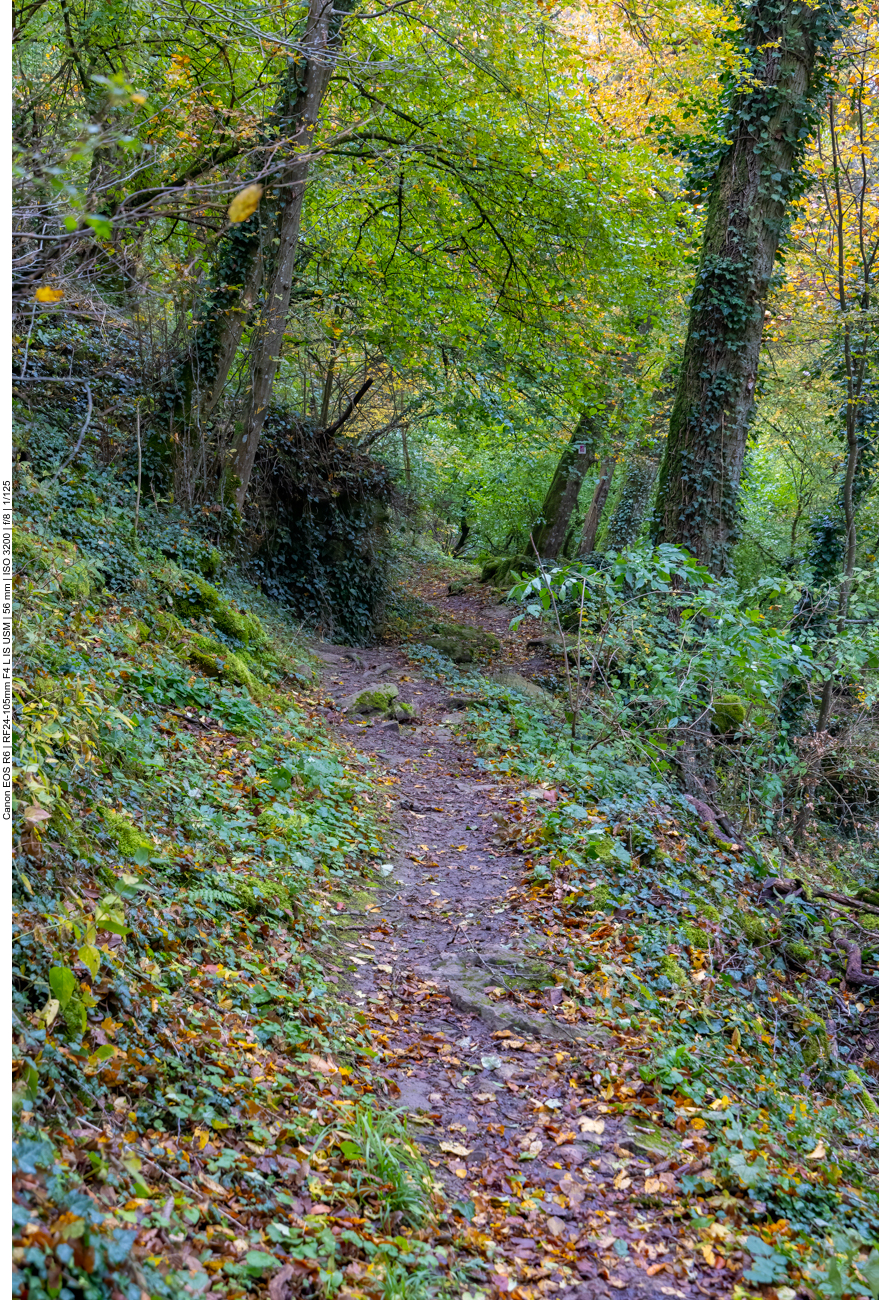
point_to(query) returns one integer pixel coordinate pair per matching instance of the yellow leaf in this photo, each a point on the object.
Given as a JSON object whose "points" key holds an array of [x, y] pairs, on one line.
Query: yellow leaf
{"points": [[621, 1182], [709, 1255], [652, 1186], [47, 294], [819, 1153], [588, 1125], [50, 1011], [721, 1103], [245, 203]]}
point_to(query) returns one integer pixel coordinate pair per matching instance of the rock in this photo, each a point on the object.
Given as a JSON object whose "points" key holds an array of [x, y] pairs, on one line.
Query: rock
{"points": [[454, 719], [729, 714], [380, 670], [462, 701], [459, 586], [458, 642], [390, 726], [371, 701], [516, 682], [402, 711], [453, 649]]}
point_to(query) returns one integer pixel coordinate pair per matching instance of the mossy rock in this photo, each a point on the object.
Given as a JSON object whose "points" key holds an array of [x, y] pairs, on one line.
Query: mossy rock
{"points": [[368, 703], [453, 648], [473, 635], [216, 660], [729, 714], [127, 838], [76, 576], [505, 570], [192, 595], [401, 711]]}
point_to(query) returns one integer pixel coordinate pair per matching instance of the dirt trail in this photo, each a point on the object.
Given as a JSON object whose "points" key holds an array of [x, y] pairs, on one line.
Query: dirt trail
{"points": [[500, 1097]]}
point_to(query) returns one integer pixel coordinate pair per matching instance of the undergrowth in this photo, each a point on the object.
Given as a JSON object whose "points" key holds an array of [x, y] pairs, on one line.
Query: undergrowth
{"points": [[193, 1109]]}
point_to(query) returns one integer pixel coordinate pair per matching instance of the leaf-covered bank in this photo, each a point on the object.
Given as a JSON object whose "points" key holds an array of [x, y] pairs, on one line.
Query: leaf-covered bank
{"points": [[193, 1098]]}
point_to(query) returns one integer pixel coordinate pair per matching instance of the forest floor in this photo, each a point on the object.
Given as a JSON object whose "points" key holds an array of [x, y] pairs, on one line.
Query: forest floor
{"points": [[479, 1052]]}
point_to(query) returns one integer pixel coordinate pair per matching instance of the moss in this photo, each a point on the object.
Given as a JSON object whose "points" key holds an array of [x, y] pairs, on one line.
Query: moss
{"points": [[601, 849], [375, 701], [76, 576], [696, 937], [168, 628], [210, 562], [866, 1100], [192, 595], [704, 908], [402, 711], [599, 898], [215, 660], [799, 952], [673, 971], [127, 838], [729, 714], [753, 927]]}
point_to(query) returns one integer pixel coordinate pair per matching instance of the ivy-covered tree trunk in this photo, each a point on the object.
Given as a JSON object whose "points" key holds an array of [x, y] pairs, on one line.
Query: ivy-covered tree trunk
{"points": [[563, 494], [321, 42], [596, 507], [237, 279], [628, 516], [788, 45]]}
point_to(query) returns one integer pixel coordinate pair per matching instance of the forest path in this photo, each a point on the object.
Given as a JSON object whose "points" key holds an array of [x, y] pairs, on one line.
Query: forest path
{"points": [[499, 1091]]}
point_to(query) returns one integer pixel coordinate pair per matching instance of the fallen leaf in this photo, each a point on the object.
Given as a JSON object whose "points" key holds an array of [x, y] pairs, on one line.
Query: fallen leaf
{"points": [[819, 1153], [47, 294], [383, 965], [555, 1226], [484, 1097], [322, 1066], [588, 1125], [33, 815], [708, 1254], [278, 1289], [622, 1181], [455, 1148]]}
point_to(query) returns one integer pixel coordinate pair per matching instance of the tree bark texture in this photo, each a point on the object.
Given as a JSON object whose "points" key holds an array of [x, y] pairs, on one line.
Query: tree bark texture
{"points": [[596, 508], [751, 185], [322, 39], [563, 494]]}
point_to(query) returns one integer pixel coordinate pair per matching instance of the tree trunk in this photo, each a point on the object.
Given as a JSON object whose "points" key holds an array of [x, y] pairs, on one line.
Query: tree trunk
{"points": [[561, 499], [749, 193], [599, 497], [322, 39], [625, 522], [237, 279]]}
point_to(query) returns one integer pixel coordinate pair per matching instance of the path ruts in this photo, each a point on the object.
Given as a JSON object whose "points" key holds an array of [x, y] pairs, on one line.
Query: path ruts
{"points": [[500, 1100]]}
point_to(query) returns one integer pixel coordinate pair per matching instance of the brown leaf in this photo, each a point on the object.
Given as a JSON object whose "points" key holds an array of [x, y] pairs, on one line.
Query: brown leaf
{"points": [[278, 1288]]}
